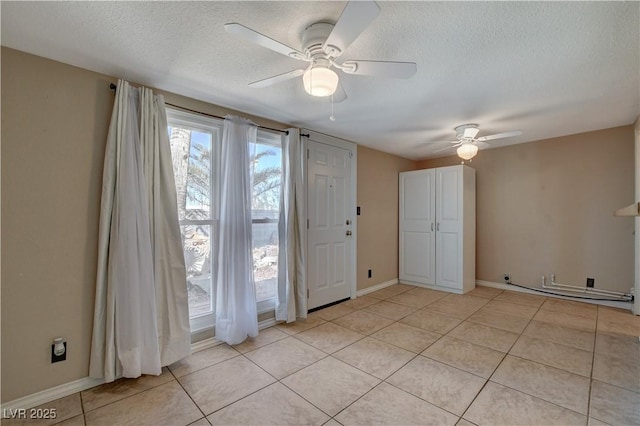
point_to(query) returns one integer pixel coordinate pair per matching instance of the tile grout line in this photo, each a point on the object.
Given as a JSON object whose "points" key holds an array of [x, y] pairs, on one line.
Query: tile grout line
{"points": [[501, 361], [129, 396], [239, 399], [525, 393], [422, 399], [135, 394], [207, 366], [84, 418], [416, 355], [331, 356], [288, 375], [593, 363], [420, 354], [293, 390], [204, 416]]}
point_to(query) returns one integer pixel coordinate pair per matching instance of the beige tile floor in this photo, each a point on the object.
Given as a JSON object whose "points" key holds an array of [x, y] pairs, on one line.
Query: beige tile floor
{"points": [[402, 355]]}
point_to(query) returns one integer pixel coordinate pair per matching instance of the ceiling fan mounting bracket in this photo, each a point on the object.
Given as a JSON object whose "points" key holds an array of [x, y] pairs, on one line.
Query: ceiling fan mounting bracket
{"points": [[314, 36], [332, 51], [466, 132]]}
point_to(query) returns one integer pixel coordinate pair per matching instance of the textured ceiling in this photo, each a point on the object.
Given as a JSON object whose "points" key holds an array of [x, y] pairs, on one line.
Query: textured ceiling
{"points": [[546, 68]]}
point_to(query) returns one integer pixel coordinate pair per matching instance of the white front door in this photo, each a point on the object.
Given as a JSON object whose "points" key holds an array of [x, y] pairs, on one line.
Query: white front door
{"points": [[330, 208]]}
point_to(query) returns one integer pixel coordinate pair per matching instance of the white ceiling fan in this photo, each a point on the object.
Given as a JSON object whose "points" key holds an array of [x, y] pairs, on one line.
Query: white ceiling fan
{"points": [[468, 144], [322, 45]]}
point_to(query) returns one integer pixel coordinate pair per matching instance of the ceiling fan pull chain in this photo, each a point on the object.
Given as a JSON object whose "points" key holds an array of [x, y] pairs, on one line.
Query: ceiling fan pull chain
{"points": [[332, 117]]}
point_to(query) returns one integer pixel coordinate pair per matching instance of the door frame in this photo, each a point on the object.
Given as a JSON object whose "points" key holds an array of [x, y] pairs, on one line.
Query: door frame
{"points": [[311, 136]]}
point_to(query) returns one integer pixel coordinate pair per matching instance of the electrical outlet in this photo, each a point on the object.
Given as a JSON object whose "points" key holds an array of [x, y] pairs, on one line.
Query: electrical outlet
{"points": [[591, 282], [58, 358], [507, 278], [370, 273]]}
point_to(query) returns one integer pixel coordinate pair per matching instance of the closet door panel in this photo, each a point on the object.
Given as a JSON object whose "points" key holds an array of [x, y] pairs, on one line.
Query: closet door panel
{"points": [[449, 199], [417, 226]]}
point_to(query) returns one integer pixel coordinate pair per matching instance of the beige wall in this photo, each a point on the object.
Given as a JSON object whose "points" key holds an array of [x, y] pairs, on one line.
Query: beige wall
{"points": [[54, 126], [547, 207], [378, 222], [55, 119]]}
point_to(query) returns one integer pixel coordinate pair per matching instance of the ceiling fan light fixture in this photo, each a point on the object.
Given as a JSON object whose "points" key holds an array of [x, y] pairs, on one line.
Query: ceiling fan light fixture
{"points": [[467, 151], [320, 81]]}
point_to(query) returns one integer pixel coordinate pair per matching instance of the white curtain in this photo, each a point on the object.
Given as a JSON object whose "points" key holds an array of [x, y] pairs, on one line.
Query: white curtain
{"points": [[236, 313], [291, 299], [141, 319]]}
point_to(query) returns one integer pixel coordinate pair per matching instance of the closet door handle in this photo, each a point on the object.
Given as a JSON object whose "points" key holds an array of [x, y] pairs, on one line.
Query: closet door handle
{"points": [[438, 227]]}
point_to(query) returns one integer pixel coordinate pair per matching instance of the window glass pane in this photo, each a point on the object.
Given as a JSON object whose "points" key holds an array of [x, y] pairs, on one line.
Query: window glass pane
{"points": [[266, 173], [265, 259], [197, 256], [193, 140], [191, 154]]}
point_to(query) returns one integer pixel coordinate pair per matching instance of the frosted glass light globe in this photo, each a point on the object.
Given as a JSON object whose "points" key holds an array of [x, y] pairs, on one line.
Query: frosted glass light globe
{"points": [[320, 81], [467, 151]]}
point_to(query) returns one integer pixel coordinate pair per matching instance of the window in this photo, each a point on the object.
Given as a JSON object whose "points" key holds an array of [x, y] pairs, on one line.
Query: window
{"points": [[194, 141], [266, 173]]}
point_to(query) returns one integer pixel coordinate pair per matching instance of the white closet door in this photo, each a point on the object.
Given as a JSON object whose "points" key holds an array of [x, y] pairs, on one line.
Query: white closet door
{"points": [[417, 227], [449, 227]]}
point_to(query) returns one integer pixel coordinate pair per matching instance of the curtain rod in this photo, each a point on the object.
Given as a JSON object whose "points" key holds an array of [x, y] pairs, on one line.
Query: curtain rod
{"points": [[286, 132]]}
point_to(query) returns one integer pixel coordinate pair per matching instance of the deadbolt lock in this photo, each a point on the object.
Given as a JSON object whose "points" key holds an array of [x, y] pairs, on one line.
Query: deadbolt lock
{"points": [[348, 233]]}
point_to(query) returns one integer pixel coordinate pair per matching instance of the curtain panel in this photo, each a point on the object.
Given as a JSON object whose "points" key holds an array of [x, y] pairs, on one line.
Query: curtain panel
{"points": [[236, 311], [141, 317], [291, 296]]}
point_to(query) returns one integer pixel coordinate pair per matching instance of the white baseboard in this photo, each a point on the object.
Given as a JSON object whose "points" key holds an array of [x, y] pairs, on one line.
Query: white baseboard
{"points": [[52, 394], [205, 344], [504, 286], [376, 287], [267, 323], [80, 385], [434, 287]]}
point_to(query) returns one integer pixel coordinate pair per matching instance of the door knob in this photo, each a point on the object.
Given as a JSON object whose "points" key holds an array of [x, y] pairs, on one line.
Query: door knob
{"points": [[348, 233]]}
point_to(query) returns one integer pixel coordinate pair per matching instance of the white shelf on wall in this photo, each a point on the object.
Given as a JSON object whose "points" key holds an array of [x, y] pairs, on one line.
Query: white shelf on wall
{"points": [[630, 211]]}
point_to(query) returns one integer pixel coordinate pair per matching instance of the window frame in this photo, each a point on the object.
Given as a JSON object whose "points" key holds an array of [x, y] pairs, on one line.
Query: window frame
{"points": [[274, 139], [203, 123], [198, 122]]}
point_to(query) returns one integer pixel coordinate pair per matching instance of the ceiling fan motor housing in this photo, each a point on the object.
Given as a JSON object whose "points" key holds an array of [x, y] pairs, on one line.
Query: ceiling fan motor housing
{"points": [[467, 132], [313, 39]]}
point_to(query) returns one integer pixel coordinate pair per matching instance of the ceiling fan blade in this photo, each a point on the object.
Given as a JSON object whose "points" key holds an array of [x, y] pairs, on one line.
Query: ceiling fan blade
{"points": [[449, 142], [446, 148], [356, 16], [262, 40], [277, 78], [499, 136], [482, 145], [381, 68]]}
